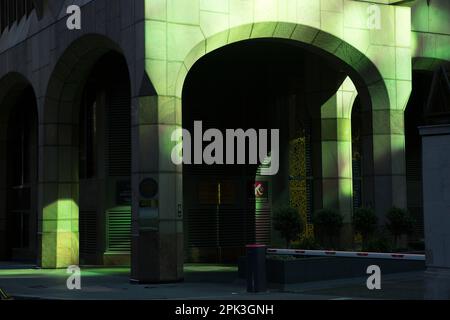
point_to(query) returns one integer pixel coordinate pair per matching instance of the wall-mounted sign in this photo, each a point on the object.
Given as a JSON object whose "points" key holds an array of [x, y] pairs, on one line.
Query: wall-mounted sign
{"points": [[259, 189], [148, 188], [149, 203]]}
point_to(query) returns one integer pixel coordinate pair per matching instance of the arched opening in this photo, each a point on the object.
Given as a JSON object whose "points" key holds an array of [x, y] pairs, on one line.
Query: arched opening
{"points": [[255, 84], [362, 150], [19, 161], [105, 163], [429, 104], [357, 154], [88, 104]]}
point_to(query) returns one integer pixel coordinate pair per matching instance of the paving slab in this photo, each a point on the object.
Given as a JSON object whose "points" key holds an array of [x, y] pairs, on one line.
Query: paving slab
{"points": [[202, 282]]}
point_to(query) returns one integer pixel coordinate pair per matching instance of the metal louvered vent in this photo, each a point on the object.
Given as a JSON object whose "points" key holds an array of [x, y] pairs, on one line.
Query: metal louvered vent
{"points": [[119, 230], [88, 232], [414, 169], [417, 214], [263, 225], [203, 228], [414, 189], [309, 175], [310, 201], [119, 133], [226, 227]]}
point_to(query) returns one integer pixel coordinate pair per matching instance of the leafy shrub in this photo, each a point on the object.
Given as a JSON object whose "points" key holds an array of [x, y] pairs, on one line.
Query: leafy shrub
{"points": [[399, 222], [327, 225], [307, 243], [365, 222], [288, 223], [417, 245], [379, 244]]}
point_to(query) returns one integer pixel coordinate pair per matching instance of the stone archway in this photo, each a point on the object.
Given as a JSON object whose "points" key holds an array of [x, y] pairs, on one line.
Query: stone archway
{"points": [[383, 99], [59, 175], [309, 101], [176, 39]]}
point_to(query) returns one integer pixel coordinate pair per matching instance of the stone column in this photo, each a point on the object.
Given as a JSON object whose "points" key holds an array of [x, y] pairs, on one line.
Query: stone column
{"points": [[157, 217], [436, 190], [336, 150], [384, 169], [3, 190], [58, 232]]}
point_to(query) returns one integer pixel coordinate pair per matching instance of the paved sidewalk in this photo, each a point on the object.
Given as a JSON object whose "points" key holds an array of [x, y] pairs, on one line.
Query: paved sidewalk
{"points": [[201, 282]]}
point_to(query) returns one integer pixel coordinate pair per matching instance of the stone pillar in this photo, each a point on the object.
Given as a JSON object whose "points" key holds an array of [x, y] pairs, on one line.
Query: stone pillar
{"points": [[3, 190], [58, 233], [336, 150], [436, 190], [157, 217], [384, 169]]}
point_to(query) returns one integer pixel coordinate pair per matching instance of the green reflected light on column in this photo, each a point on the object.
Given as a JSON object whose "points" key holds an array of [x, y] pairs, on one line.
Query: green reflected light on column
{"points": [[431, 34], [60, 234]]}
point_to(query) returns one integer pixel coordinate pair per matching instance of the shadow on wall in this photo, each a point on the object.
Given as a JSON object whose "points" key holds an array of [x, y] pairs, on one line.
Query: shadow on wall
{"points": [[18, 169]]}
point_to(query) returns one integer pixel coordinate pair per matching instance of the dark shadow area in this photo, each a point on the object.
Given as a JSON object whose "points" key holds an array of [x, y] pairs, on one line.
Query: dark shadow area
{"points": [[105, 163], [21, 178], [429, 104], [257, 84]]}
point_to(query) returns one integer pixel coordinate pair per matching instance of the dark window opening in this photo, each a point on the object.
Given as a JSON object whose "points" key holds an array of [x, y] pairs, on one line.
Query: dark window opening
{"points": [[88, 134], [428, 105], [238, 87], [105, 161], [22, 175]]}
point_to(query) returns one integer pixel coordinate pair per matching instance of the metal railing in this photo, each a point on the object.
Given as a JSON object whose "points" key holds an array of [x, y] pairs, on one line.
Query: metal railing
{"points": [[347, 254]]}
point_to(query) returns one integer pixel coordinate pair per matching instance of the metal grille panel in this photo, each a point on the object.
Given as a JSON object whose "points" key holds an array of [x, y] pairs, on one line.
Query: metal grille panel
{"points": [[88, 232], [119, 230], [119, 133]]}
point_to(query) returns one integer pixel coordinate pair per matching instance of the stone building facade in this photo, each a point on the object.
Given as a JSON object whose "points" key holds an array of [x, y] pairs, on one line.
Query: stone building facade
{"points": [[86, 119]]}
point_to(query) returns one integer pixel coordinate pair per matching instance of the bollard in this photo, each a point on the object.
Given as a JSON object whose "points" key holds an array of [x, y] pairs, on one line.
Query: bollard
{"points": [[256, 268]]}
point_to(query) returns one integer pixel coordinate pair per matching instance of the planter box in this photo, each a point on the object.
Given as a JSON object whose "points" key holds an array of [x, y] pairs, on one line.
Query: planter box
{"points": [[328, 268]]}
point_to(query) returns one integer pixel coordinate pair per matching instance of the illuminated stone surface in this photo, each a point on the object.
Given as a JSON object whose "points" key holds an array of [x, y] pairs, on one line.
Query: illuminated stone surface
{"points": [[161, 41]]}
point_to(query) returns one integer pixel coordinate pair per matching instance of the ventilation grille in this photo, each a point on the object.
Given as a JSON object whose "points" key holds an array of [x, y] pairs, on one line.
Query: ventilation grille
{"points": [[119, 230], [417, 214], [310, 200], [263, 226], [227, 227], [414, 169], [309, 176], [414, 187], [88, 232], [119, 133]]}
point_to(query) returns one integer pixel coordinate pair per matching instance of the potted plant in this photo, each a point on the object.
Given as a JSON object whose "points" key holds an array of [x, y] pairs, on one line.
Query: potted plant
{"points": [[306, 243], [327, 226], [287, 221], [365, 223], [399, 222]]}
